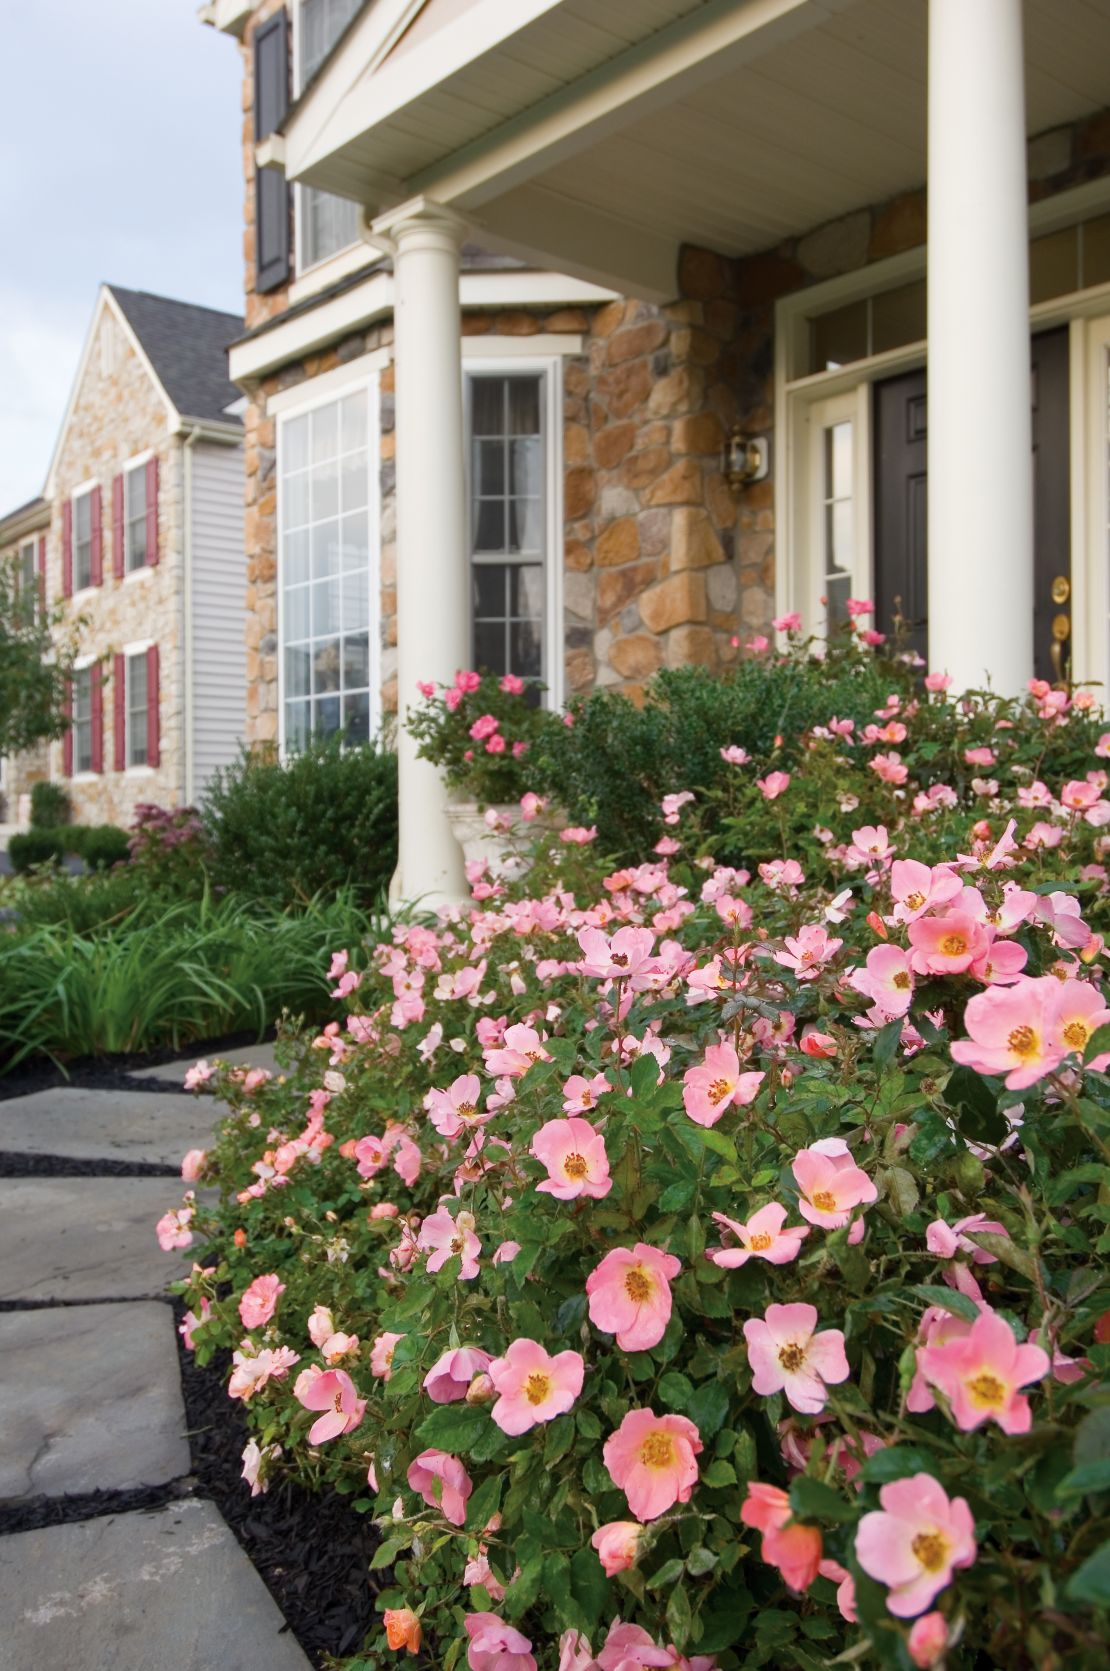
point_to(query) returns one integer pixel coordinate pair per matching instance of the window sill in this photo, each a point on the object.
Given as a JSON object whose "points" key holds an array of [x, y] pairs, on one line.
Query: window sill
{"points": [[138, 573], [333, 268], [82, 594], [86, 777], [138, 771]]}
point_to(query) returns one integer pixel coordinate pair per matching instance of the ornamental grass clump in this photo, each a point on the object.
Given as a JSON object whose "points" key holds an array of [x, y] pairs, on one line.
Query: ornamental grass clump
{"points": [[701, 1263]]}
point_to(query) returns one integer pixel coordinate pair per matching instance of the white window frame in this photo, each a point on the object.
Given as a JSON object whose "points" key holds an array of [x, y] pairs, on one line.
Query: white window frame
{"points": [[329, 268], [1086, 313], [324, 391], [84, 491], [550, 367], [83, 664], [130, 653], [138, 462]]}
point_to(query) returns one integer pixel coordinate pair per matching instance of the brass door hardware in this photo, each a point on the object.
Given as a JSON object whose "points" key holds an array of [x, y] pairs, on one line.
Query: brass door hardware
{"points": [[1061, 589]]}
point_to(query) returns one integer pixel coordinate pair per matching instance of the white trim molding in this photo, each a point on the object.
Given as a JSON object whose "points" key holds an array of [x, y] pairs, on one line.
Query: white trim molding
{"points": [[315, 390]]}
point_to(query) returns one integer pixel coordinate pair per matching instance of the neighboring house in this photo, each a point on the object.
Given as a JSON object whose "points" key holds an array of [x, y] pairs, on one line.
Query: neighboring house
{"points": [[744, 185], [140, 534], [23, 544]]}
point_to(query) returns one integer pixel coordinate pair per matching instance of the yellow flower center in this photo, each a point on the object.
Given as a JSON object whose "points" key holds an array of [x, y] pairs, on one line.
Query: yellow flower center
{"points": [[456, 1244], [466, 1111], [339, 1403], [1023, 1041], [901, 980], [719, 1090], [575, 1167], [792, 1357], [537, 1387], [657, 1451], [915, 901], [637, 1285], [760, 1241], [1076, 1034], [619, 958], [953, 945], [931, 1549], [824, 1201], [986, 1389]]}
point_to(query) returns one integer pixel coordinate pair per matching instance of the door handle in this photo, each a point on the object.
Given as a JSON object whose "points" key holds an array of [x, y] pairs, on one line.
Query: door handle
{"points": [[1061, 632]]}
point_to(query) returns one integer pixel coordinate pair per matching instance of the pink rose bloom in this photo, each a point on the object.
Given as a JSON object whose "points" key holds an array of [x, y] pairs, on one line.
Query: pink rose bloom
{"points": [[458, 1108], [915, 1541], [522, 1046], [254, 1461], [652, 1459], [443, 1483], [172, 1229], [381, 1354], [580, 1094], [578, 835], [190, 1323], [442, 1237], [627, 954], [193, 1165], [259, 1301], [335, 1394], [532, 1386], [251, 1370], [795, 1549], [496, 1646], [938, 681], [946, 945], [928, 1640], [886, 980], [734, 755], [946, 1240], [496, 744], [917, 888], [788, 623], [199, 1074], [1009, 1032], [717, 1083], [807, 950], [980, 756], [484, 727], [531, 804], [786, 1354], [830, 1185], [763, 1237], [321, 1325], [618, 1545], [981, 1374], [889, 767], [450, 1376], [773, 785], [574, 1154], [630, 1295]]}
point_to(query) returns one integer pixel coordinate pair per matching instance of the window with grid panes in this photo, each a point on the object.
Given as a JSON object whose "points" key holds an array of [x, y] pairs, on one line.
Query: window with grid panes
{"points": [[82, 720], [328, 224], [134, 517], [138, 739], [82, 541], [508, 521], [324, 493]]}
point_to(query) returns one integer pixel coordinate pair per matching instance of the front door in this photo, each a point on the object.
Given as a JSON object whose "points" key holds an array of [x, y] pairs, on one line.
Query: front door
{"points": [[900, 502]]}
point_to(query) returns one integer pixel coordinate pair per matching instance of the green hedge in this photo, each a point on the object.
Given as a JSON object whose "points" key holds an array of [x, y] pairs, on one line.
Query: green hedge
{"points": [[324, 820], [50, 806], [99, 845]]}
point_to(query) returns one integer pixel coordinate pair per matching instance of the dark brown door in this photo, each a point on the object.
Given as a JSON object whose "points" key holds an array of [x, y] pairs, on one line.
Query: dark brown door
{"points": [[900, 503]]}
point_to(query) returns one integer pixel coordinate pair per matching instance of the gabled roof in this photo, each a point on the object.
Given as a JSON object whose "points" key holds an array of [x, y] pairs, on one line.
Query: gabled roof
{"points": [[187, 349], [25, 519]]}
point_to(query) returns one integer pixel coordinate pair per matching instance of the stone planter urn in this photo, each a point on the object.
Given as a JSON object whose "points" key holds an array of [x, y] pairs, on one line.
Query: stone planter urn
{"points": [[497, 834]]}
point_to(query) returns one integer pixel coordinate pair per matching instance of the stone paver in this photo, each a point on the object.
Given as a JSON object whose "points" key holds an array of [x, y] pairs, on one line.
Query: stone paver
{"points": [[90, 1399], [246, 1055], [84, 1238], [139, 1592], [149, 1126]]}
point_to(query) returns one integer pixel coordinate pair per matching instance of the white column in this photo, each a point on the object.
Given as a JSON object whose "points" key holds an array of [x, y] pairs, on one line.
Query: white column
{"points": [[433, 604], [980, 443]]}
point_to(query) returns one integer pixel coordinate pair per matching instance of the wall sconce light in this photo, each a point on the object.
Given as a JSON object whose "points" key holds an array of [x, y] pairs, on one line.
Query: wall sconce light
{"points": [[744, 459]]}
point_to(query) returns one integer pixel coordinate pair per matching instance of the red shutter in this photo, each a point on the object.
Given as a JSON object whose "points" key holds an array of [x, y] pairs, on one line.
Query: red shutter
{"points": [[153, 740], [96, 552], [119, 711], [117, 527], [96, 700], [67, 549], [152, 511], [42, 575], [67, 739]]}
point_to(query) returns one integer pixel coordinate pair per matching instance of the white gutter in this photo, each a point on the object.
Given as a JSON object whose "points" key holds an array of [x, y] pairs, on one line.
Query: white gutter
{"points": [[187, 634]]}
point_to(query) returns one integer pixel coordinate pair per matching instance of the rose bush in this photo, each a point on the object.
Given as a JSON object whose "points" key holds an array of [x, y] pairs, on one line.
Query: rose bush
{"points": [[699, 1264]]}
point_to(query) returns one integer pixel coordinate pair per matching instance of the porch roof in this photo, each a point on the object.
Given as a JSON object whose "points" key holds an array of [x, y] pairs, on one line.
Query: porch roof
{"points": [[598, 140]]}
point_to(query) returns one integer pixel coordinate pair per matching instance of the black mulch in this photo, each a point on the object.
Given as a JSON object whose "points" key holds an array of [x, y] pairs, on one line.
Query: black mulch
{"points": [[32, 1513], [112, 1073], [313, 1551], [61, 1166]]}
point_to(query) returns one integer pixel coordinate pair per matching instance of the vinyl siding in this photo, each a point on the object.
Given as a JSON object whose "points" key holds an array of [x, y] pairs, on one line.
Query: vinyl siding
{"points": [[218, 608]]}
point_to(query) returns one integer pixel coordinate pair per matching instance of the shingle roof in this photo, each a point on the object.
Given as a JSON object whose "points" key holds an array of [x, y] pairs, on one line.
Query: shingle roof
{"points": [[187, 346], [30, 515]]}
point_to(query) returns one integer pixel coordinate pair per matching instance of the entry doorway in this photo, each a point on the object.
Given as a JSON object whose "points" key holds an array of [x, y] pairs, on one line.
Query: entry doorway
{"points": [[899, 429]]}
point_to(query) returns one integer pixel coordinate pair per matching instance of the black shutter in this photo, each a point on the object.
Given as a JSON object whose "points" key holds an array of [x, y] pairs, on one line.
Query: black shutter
{"points": [[271, 194]]}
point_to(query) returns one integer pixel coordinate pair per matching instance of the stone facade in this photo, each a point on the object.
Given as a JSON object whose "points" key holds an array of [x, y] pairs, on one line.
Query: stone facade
{"points": [[118, 412]]}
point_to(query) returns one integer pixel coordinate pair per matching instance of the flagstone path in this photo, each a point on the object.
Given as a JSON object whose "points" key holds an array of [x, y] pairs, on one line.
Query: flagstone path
{"points": [[90, 1402]]}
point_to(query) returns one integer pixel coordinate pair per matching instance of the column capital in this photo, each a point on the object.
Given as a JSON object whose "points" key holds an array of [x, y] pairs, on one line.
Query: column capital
{"points": [[419, 221]]}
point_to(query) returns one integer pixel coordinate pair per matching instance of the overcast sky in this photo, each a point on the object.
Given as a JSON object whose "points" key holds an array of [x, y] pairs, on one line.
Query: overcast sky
{"points": [[119, 161]]}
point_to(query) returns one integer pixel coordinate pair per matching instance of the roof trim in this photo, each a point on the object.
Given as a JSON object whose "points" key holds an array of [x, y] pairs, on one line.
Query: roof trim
{"points": [[28, 518]]}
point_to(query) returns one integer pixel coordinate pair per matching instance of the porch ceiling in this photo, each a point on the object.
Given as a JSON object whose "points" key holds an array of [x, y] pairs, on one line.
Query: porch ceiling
{"points": [[599, 148]]}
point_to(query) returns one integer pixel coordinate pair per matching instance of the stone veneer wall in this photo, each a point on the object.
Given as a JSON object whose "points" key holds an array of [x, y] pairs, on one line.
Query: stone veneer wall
{"points": [[118, 413]]}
